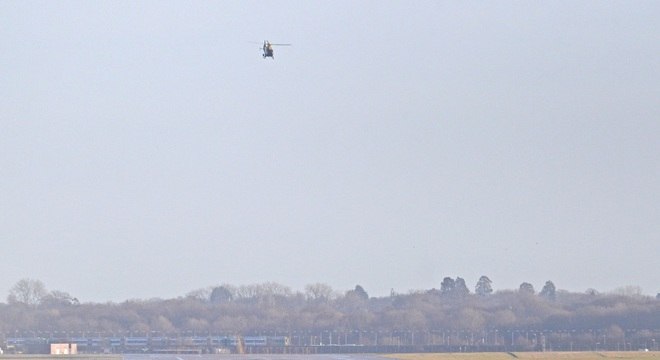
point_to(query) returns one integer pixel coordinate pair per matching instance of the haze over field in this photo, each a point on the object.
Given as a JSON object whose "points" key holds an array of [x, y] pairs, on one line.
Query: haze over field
{"points": [[147, 149]]}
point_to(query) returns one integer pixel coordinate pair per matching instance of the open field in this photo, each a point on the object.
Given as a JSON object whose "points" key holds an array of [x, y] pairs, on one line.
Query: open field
{"points": [[628, 355], [60, 357]]}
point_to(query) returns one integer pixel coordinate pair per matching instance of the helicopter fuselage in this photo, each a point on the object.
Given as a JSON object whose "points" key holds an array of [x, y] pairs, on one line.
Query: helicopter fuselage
{"points": [[268, 50]]}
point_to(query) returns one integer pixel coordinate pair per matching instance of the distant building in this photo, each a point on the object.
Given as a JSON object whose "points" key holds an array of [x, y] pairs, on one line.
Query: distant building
{"points": [[64, 349]]}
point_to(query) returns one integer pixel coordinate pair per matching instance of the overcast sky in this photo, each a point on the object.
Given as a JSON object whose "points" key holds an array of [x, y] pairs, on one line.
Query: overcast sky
{"points": [[148, 150]]}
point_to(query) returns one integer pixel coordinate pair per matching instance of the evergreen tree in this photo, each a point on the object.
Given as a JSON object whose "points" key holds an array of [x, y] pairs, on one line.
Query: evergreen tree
{"points": [[447, 286], [548, 290], [460, 288], [220, 295], [484, 286], [527, 288], [359, 291]]}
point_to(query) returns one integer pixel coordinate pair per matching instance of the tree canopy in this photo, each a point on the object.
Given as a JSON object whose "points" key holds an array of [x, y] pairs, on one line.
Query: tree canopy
{"points": [[484, 286], [275, 308]]}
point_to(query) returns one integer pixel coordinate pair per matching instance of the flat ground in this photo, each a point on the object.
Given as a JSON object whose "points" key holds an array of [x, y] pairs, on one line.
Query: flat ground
{"points": [[628, 355]]}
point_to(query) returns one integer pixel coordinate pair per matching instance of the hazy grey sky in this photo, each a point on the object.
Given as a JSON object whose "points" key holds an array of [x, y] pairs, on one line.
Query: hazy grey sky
{"points": [[147, 150]]}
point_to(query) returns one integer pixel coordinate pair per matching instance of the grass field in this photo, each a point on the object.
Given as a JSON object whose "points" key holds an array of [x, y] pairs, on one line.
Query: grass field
{"points": [[628, 355], [59, 357]]}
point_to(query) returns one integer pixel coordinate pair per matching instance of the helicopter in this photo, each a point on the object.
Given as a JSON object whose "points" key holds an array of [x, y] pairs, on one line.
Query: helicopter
{"points": [[268, 49]]}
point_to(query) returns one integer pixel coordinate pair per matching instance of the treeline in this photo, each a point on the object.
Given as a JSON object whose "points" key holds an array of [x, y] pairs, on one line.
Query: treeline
{"points": [[276, 309]]}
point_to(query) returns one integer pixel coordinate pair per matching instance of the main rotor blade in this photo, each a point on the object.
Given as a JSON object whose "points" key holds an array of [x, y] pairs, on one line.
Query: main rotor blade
{"points": [[282, 44]]}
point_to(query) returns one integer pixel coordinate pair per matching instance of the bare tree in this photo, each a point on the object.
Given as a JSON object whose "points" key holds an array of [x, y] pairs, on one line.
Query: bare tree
{"points": [[320, 293], [27, 291], [58, 298], [200, 294]]}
